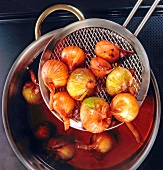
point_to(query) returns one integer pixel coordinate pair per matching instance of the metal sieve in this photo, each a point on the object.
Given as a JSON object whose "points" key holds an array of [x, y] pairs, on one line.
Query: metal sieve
{"points": [[85, 34]]}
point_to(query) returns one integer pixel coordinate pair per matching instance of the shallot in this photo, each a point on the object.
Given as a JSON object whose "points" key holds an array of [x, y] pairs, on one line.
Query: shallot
{"points": [[124, 107], [73, 56], [99, 67], [43, 130], [100, 144], [54, 74], [95, 114], [60, 148], [110, 51], [81, 83], [120, 80], [31, 90], [63, 104]]}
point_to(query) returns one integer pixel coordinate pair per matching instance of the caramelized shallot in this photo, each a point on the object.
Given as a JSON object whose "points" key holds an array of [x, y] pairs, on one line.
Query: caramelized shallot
{"points": [[95, 114], [110, 51], [54, 74], [73, 56], [81, 83], [124, 107], [99, 67], [63, 104]]}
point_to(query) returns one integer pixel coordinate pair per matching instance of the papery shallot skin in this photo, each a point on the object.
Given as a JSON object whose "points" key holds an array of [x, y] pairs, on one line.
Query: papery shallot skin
{"points": [[54, 74], [81, 83], [95, 114]]}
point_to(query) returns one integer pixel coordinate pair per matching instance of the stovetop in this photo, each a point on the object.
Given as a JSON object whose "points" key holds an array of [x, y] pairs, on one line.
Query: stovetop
{"points": [[17, 32]]}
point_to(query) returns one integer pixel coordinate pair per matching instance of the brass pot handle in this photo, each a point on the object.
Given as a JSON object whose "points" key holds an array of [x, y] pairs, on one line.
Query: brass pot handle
{"points": [[51, 9]]}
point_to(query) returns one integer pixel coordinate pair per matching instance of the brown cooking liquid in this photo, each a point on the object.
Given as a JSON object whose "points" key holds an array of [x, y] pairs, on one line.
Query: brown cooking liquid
{"points": [[126, 148]]}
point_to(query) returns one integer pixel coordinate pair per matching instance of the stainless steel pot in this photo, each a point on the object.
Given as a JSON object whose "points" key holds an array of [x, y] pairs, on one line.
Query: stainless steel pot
{"points": [[17, 123]]}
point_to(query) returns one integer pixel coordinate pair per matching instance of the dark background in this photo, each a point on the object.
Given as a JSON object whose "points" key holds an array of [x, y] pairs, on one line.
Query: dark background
{"points": [[17, 6], [17, 21]]}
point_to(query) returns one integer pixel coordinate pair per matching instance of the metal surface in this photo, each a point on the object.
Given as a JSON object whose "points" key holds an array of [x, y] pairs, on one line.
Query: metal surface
{"points": [[20, 144], [86, 34], [12, 114], [51, 9], [154, 159], [154, 5]]}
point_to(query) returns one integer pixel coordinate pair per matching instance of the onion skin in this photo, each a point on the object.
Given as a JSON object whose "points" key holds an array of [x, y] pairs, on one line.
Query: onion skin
{"points": [[63, 104], [110, 51], [124, 107], [119, 80], [95, 114], [54, 74], [73, 56], [99, 67], [81, 84]]}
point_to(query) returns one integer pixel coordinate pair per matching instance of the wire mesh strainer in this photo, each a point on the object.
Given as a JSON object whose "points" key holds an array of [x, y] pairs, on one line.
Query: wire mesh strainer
{"points": [[85, 34]]}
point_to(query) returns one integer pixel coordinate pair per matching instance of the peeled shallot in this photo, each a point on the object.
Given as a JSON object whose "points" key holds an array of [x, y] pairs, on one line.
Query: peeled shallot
{"points": [[120, 80], [63, 104], [81, 83], [60, 148], [124, 107], [99, 67], [54, 74], [100, 144], [73, 56], [95, 114], [31, 90]]}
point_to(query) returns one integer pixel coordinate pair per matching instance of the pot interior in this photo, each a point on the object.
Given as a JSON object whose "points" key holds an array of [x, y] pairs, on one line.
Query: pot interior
{"points": [[20, 119]]}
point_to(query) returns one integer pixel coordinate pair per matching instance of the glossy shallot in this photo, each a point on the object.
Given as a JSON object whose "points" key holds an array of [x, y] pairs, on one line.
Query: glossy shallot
{"points": [[99, 67], [110, 51], [95, 114], [120, 80], [54, 74], [63, 104], [81, 83], [73, 56]]}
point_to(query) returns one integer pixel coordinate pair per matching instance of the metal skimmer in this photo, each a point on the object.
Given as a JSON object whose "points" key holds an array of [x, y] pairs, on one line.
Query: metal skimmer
{"points": [[85, 34], [86, 38]]}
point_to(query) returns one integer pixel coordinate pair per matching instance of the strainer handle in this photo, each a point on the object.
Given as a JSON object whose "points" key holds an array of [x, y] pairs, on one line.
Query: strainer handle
{"points": [[51, 9], [138, 3], [154, 5]]}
